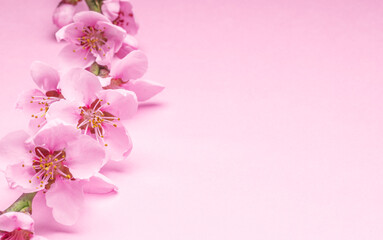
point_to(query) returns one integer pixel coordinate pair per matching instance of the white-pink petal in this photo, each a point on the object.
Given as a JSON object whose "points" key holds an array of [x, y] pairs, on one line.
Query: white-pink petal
{"points": [[13, 148], [119, 143], [132, 66], [45, 76], [65, 197], [84, 157], [64, 111], [99, 184], [80, 85], [122, 103], [144, 89]]}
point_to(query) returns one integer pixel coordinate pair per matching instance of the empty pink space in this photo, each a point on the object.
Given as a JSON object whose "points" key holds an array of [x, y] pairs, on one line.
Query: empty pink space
{"points": [[270, 126]]}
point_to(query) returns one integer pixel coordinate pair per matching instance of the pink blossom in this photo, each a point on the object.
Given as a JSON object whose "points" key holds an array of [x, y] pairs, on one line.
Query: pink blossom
{"points": [[121, 14], [63, 15], [125, 73], [17, 226], [55, 160], [36, 102], [96, 112], [91, 37]]}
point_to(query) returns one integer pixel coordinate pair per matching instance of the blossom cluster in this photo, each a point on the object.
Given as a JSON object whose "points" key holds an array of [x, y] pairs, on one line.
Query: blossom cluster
{"points": [[77, 113]]}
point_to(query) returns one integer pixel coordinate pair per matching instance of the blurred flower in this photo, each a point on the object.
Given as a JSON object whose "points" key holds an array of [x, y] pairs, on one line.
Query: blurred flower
{"points": [[63, 14], [17, 226], [121, 14], [96, 112], [91, 37]]}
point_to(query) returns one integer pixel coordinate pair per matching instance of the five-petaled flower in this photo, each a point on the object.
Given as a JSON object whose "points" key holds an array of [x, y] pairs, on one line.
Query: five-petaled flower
{"points": [[17, 226], [54, 161], [91, 37], [96, 112]]}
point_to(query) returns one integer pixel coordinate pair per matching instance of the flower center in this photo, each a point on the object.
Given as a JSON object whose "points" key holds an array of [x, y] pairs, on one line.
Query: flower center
{"points": [[48, 165], [93, 39], [17, 234], [93, 119]]}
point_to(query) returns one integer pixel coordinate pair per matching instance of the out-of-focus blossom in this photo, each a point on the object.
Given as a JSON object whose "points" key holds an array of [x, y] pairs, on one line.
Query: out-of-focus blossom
{"points": [[63, 15], [121, 14], [17, 226]]}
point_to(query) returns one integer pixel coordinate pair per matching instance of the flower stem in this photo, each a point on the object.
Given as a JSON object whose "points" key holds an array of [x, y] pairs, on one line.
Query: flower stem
{"points": [[22, 204], [94, 5]]}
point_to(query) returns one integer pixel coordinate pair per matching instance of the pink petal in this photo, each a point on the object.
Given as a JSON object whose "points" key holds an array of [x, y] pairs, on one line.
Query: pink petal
{"points": [[105, 58], [15, 220], [144, 89], [44, 76], [128, 45], [130, 25], [35, 124], [65, 197], [70, 33], [75, 56], [84, 157], [110, 9], [63, 14], [28, 104], [113, 33], [80, 85], [19, 177], [132, 66], [55, 136], [122, 103], [119, 144], [89, 18], [13, 148], [64, 111], [99, 184]]}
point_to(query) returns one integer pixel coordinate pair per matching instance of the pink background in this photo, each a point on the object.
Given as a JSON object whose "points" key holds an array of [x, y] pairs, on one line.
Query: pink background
{"points": [[271, 125]]}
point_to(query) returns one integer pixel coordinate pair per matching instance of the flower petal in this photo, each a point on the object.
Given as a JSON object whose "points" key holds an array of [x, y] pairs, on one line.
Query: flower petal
{"points": [[113, 33], [55, 136], [119, 144], [27, 101], [129, 44], [70, 32], [99, 184], [38, 238], [13, 148], [63, 14], [19, 177], [132, 66], [89, 18], [15, 220], [65, 197], [64, 111], [84, 157], [121, 103], [129, 23], [144, 89], [44, 76], [75, 56], [80, 85]]}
